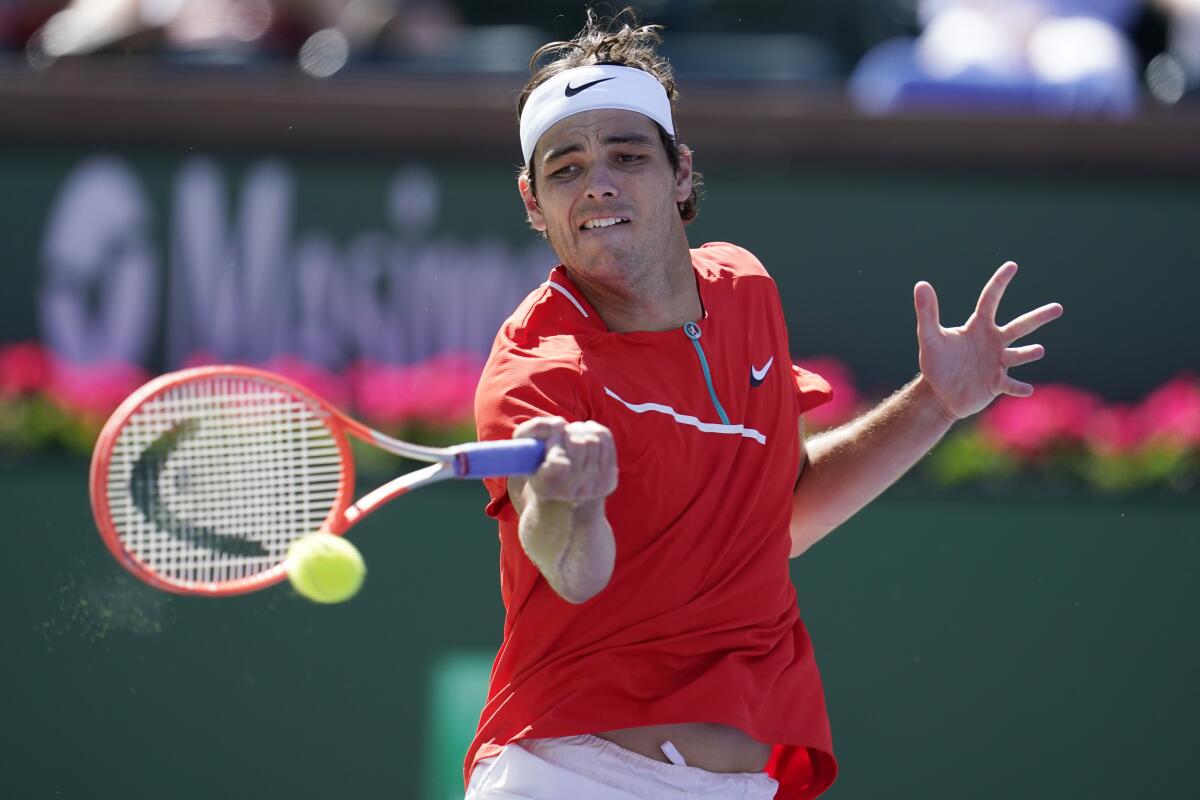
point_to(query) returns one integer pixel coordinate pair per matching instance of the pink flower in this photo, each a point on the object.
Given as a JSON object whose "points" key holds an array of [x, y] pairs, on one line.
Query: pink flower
{"points": [[95, 389], [24, 368], [447, 382], [327, 385], [846, 398], [1055, 415], [383, 394], [1116, 430], [440, 390], [1171, 413]]}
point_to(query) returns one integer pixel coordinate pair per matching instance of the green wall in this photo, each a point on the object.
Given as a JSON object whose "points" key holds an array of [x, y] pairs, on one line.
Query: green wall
{"points": [[847, 246], [1038, 643]]}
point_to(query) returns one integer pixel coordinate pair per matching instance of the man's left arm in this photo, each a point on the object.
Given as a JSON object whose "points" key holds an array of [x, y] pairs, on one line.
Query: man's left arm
{"points": [[962, 370]]}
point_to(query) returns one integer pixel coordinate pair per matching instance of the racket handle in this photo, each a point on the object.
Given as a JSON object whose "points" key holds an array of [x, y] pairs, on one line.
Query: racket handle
{"points": [[495, 459]]}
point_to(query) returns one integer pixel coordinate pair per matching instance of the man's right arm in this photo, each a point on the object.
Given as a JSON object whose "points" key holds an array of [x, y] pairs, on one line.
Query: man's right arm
{"points": [[563, 528]]}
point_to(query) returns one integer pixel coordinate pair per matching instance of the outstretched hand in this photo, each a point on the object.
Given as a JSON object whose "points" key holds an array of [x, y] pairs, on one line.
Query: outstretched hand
{"points": [[967, 367]]}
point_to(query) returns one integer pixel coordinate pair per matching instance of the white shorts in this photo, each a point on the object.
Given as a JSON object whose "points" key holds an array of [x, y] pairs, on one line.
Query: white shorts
{"points": [[590, 768]]}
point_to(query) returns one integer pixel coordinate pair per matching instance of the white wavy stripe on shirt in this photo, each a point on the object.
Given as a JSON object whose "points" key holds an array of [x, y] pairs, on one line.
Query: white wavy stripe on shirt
{"points": [[687, 419], [569, 296]]}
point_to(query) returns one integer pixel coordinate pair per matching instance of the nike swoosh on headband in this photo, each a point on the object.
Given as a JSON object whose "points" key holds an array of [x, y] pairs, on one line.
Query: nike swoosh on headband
{"points": [[566, 94], [571, 91], [758, 375]]}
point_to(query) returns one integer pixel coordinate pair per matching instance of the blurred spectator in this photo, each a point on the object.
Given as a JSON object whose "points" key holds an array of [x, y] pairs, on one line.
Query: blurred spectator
{"points": [[1053, 56], [1050, 56], [1176, 71], [322, 34], [440, 32], [82, 27]]}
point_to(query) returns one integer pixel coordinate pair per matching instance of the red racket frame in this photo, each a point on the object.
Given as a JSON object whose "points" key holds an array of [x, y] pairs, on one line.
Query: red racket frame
{"points": [[337, 522]]}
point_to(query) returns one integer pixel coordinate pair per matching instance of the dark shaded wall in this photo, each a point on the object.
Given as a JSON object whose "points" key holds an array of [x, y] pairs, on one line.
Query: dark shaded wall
{"points": [[1031, 644]]}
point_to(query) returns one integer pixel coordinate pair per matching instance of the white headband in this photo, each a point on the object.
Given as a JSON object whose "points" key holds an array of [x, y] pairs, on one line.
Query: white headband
{"points": [[590, 88]]}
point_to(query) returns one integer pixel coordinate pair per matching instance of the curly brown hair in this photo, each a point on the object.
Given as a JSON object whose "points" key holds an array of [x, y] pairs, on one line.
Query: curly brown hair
{"points": [[620, 41]]}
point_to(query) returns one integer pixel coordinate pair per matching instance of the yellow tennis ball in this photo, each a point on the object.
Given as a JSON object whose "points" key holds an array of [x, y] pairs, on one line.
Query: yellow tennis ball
{"points": [[325, 568]]}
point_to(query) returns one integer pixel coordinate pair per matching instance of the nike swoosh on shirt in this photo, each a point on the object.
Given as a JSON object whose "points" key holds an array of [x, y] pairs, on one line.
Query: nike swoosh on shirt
{"points": [[571, 91], [757, 376]]}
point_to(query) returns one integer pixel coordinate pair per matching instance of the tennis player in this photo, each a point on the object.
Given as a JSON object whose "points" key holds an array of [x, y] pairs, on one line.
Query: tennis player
{"points": [[652, 643]]}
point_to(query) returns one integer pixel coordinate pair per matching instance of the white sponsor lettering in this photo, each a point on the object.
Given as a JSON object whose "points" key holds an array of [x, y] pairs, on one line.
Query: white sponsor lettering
{"points": [[100, 272], [241, 284]]}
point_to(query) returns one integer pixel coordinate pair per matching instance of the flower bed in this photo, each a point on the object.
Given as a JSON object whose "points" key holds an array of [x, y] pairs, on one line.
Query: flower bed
{"points": [[47, 403], [1060, 431], [50, 404]]}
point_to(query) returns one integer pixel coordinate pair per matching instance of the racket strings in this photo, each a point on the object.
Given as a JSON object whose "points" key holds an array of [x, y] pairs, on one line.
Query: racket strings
{"points": [[213, 479]]}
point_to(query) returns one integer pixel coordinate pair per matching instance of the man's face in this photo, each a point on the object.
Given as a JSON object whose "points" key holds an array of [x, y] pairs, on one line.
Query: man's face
{"points": [[607, 195]]}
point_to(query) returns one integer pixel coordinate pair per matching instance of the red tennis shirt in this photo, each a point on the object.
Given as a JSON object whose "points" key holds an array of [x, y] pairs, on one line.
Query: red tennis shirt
{"points": [[699, 621]]}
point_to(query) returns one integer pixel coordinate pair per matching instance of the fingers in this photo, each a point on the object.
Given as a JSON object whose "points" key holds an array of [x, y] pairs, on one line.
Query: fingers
{"points": [[1028, 323], [989, 299], [581, 445], [593, 459], [555, 465], [539, 428], [1015, 387], [1016, 356], [580, 463], [928, 316]]}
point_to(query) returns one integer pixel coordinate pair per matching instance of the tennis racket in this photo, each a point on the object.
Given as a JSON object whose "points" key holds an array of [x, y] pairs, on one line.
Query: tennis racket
{"points": [[202, 478]]}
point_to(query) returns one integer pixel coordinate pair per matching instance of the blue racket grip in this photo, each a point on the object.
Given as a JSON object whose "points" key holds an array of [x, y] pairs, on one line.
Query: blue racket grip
{"points": [[496, 459]]}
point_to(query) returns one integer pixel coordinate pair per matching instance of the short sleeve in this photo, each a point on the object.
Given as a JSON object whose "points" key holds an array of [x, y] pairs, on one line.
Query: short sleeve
{"points": [[517, 386], [811, 389]]}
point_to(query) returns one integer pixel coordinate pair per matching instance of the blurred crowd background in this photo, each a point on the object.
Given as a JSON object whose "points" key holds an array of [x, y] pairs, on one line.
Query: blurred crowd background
{"points": [[1048, 56]]}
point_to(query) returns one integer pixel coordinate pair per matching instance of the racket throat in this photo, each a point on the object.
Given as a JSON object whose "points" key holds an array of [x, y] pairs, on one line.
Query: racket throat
{"points": [[393, 489], [405, 449]]}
